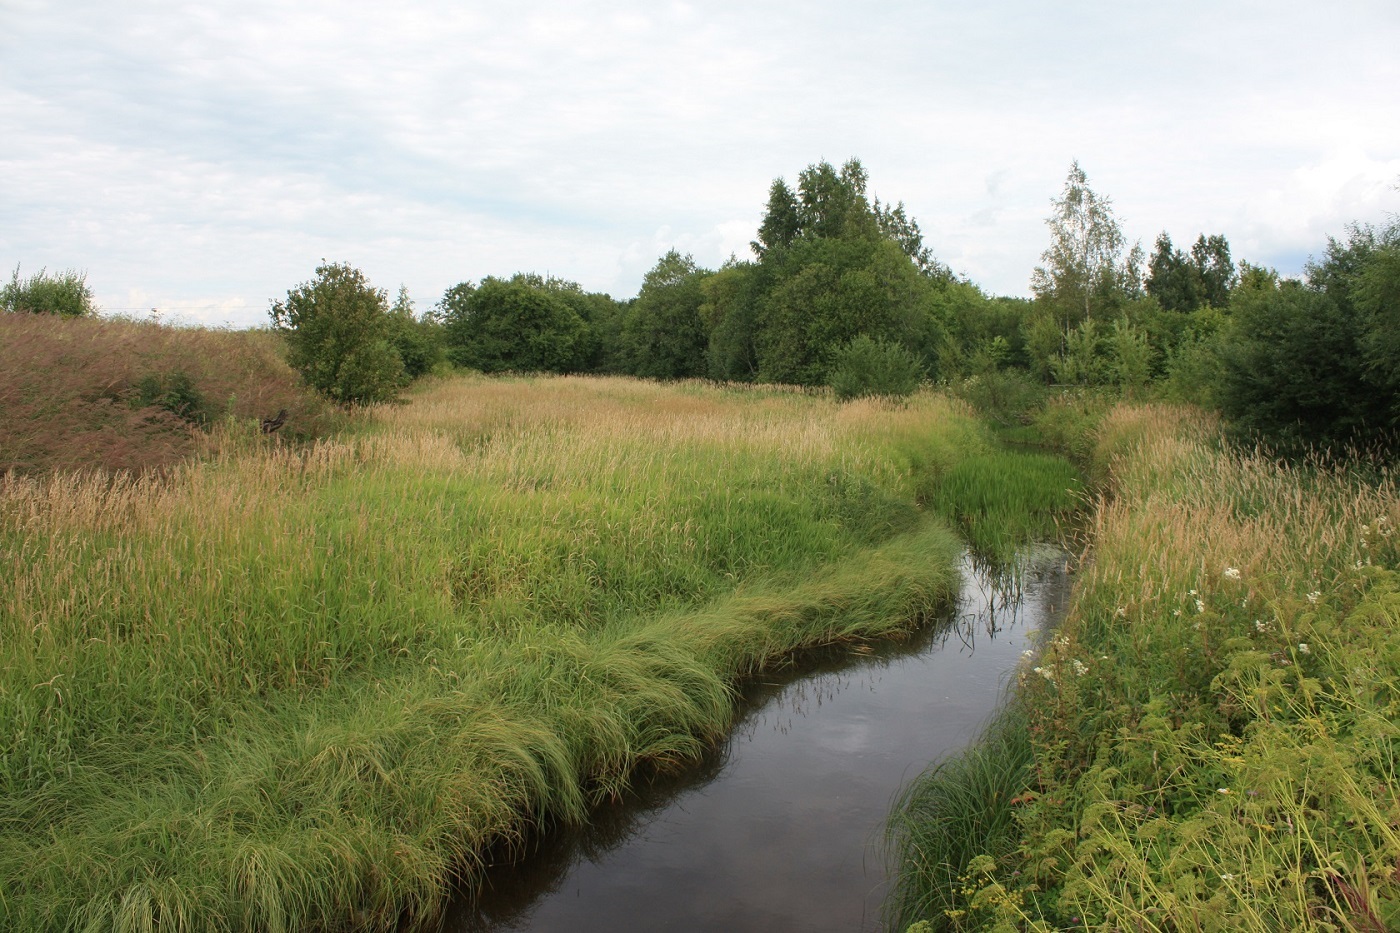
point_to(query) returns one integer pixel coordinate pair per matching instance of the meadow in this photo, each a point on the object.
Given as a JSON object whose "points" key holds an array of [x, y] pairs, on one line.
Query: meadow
{"points": [[290, 688], [1210, 740]]}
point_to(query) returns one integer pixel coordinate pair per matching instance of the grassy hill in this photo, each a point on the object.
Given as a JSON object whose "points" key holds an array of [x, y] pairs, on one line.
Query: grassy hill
{"points": [[90, 393]]}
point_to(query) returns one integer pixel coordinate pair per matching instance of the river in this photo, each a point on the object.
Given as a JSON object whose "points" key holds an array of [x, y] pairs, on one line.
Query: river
{"points": [[780, 827]]}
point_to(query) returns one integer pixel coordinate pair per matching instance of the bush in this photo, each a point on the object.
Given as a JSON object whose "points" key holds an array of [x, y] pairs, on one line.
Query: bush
{"points": [[1005, 396], [866, 366], [173, 392], [66, 293], [338, 336]]}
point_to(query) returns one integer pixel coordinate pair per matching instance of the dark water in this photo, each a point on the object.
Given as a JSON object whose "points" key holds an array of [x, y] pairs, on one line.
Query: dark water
{"points": [[780, 829]]}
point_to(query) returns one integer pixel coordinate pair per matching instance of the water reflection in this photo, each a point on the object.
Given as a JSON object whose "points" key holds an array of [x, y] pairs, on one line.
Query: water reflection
{"points": [[777, 829]]}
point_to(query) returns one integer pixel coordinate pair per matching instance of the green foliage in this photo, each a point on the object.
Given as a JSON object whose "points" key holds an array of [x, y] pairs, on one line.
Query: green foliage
{"points": [[865, 366], [1081, 362], [1299, 361], [1182, 283], [1377, 297], [1086, 272], [1213, 726], [663, 335], [524, 324], [827, 291], [418, 340], [782, 221], [957, 813], [1193, 362], [1005, 397], [1130, 355], [983, 334], [338, 336], [65, 293], [176, 393], [730, 312], [831, 266]]}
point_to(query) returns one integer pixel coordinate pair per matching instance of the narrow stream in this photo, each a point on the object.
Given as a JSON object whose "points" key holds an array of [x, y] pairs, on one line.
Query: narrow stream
{"points": [[780, 828]]}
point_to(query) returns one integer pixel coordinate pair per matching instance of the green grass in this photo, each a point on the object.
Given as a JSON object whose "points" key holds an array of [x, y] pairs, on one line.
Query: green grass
{"points": [[1002, 499], [1213, 732], [288, 690], [952, 823]]}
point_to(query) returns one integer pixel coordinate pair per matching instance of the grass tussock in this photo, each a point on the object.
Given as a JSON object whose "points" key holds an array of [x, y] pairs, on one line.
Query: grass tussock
{"points": [[288, 689], [95, 394], [1214, 730]]}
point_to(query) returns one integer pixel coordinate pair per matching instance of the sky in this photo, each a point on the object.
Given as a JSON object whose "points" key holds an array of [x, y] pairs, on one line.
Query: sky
{"points": [[202, 159]]}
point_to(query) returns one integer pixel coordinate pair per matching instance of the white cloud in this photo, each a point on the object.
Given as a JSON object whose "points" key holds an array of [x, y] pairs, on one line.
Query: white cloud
{"points": [[208, 156]]}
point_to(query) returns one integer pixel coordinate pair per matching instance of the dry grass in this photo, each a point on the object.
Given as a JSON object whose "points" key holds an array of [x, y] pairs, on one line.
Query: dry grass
{"points": [[69, 391]]}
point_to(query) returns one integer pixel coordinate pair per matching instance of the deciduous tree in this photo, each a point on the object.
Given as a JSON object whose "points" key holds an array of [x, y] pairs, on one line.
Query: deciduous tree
{"points": [[1088, 268], [338, 336]]}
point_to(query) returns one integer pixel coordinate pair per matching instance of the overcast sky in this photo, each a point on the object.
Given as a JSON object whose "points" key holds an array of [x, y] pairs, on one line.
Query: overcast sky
{"points": [[203, 158]]}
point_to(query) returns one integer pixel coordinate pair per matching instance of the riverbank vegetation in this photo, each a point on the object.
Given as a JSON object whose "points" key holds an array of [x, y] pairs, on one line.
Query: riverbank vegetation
{"points": [[1208, 742], [291, 688]]}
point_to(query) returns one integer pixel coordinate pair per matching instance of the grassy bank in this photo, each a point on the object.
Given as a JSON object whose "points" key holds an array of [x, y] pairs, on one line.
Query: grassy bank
{"points": [[109, 394], [302, 689], [1209, 743]]}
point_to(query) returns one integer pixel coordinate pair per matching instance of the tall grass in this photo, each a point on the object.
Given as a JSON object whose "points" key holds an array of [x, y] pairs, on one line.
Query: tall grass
{"points": [[103, 394], [304, 689], [1214, 730], [1003, 498]]}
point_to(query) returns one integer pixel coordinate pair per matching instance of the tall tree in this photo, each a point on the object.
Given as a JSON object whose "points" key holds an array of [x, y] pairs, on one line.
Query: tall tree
{"points": [[1210, 258], [781, 221], [1087, 267], [1171, 278], [663, 334]]}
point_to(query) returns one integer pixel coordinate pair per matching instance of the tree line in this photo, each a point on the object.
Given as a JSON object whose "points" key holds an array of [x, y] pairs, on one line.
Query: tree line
{"points": [[841, 290]]}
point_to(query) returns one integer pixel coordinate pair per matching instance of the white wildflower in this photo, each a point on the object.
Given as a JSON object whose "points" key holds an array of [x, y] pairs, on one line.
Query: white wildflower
{"points": [[1200, 606], [1314, 596], [1303, 648], [1260, 625], [1080, 668], [1227, 877], [1232, 573]]}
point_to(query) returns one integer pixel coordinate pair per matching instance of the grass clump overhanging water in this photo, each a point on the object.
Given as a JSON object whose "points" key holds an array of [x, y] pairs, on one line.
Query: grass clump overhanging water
{"points": [[305, 689], [1213, 732]]}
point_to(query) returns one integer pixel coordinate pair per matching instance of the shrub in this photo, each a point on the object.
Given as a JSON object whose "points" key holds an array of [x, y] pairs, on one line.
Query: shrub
{"points": [[66, 293], [173, 392], [1005, 396], [866, 366], [338, 336]]}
